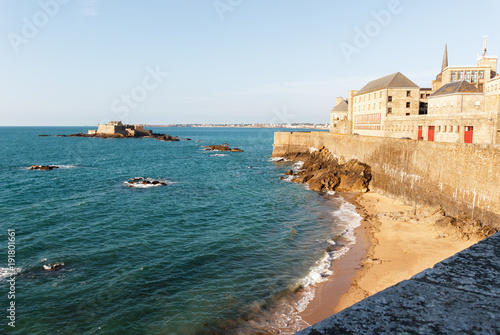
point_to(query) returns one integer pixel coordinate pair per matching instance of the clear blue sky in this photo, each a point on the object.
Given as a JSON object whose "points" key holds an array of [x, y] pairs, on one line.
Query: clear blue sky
{"points": [[83, 62]]}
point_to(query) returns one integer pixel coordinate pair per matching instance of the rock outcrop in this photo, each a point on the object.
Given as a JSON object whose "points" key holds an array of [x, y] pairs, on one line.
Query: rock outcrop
{"points": [[464, 227], [223, 147], [43, 167], [145, 182], [161, 137], [324, 172], [460, 226], [167, 138]]}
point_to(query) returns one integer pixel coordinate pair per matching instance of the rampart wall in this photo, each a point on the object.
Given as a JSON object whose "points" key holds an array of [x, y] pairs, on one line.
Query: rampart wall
{"points": [[460, 177]]}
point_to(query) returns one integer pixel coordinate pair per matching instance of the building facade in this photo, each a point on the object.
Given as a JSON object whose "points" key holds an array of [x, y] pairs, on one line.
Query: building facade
{"points": [[463, 106]]}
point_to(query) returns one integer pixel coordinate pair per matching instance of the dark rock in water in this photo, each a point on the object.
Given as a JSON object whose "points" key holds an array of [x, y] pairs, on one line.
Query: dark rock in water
{"points": [[289, 173], [133, 182], [167, 138], [223, 147], [324, 172], [53, 267], [43, 135], [43, 167], [187, 139]]}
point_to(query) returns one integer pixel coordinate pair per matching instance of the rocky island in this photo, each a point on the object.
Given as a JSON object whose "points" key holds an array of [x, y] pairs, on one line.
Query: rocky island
{"points": [[116, 129]]}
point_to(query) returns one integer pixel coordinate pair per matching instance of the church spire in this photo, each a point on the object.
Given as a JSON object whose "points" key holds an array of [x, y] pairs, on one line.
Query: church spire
{"points": [[445, 58]]}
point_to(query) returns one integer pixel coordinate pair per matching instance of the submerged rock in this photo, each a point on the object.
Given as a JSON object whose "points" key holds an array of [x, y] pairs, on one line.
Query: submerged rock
{"points": [[324, 172], [43, 167], [140, 182], [223, 147], [53, 267]]}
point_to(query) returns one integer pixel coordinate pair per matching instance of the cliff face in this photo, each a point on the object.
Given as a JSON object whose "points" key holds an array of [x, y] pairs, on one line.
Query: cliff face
{"points": [[325, 172]]}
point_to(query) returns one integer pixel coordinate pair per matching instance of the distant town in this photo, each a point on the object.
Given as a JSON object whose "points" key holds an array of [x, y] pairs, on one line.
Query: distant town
{"points": [[248, 125]]}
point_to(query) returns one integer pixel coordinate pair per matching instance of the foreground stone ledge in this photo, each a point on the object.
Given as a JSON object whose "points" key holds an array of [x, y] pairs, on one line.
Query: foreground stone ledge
{"points": [[460, 295]]}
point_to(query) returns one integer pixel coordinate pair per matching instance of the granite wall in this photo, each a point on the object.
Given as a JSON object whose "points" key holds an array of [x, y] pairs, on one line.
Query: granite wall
{"points": [[459, 177]]}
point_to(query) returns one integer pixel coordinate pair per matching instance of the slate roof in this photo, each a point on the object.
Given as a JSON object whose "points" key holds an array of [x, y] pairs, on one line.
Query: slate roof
{"points": [[456, 87], [341, 107], [391, 81]]}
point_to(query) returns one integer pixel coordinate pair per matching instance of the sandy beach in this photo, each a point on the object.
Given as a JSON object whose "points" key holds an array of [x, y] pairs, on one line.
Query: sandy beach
{"points": [[387, 251]]}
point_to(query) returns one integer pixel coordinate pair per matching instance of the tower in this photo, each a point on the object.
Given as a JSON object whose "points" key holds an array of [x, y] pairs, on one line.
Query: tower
{"points": [[445, 58]]}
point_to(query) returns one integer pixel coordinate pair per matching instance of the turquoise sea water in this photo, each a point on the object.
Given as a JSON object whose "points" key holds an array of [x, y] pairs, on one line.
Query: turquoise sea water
{"points": [[220, 249]]}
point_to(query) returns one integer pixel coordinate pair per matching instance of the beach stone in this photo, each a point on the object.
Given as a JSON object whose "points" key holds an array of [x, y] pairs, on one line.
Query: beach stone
{"points": [[460, 295]]}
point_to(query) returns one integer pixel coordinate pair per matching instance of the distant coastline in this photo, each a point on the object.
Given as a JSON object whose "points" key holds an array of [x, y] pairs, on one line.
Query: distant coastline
{"points": [[244, 125]]}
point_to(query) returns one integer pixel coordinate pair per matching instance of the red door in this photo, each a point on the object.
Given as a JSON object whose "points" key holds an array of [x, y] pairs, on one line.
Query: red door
{"points": [[430, 136], [419, 136], [468, 134]]}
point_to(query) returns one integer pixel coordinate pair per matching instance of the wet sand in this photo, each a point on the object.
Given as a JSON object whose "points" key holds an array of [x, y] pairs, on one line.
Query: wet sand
{"points": [[387, 251]]}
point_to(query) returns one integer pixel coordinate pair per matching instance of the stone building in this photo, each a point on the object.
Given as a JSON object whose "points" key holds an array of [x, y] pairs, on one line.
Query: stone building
{"points": [[380, 99], [465, 110], [117, 127], [338, 116]]}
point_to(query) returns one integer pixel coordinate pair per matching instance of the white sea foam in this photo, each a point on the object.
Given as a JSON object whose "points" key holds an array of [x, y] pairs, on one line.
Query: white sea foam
{"points": [[346, 217], [297, 166], [288, 178], [331, 192], [219, 155], [7, 272], [280, 159], [131, 183]]}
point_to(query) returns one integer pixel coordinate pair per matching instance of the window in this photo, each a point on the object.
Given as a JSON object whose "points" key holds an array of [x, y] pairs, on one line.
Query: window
{"points": [[407, 114], [444, 129], [408, 93], [467, 76], [460, 75], [453, 76], [421, 96], [477, 103], [379, 105], [380, 94], [389, 98], [389, 110], [439, 128], [473, 78], [481, 74], [408, 104], [451, 129]]}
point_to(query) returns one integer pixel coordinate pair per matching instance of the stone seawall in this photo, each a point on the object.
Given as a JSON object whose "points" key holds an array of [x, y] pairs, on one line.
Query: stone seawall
{"points": [[459, 177]]}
